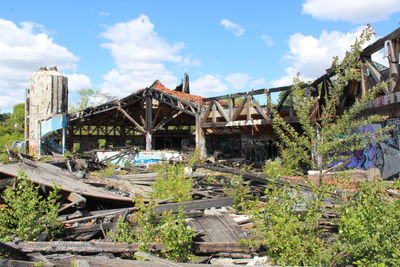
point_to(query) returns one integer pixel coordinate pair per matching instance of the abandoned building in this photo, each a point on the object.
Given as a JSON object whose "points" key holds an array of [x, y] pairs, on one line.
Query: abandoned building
{"points": [[235, 125]]}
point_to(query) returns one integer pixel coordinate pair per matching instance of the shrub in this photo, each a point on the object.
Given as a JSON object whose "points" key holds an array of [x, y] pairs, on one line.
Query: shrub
{"points": [[369, 227], [173, 184], [176, 237], [26, 214], [275, 169], [124, 231], [171, 229], [290, 237]]}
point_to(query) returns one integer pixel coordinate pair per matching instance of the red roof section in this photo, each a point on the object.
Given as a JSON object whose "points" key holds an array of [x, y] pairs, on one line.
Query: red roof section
{"points": [[181, 95]]}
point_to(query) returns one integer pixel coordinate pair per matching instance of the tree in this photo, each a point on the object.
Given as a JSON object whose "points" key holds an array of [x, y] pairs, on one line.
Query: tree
{"points": [[329, 138], [89, 97], [12, 126]]}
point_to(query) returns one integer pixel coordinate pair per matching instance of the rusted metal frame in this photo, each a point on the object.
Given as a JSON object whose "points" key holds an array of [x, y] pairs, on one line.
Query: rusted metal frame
{"points": [[315, 114], [258, 108], [138, 126], [394, 68], [239, 109], [221, 110], [166, 120]]}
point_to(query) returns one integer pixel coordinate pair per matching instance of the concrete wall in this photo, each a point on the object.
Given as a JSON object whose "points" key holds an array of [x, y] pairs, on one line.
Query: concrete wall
{"points": [[47, 96]]}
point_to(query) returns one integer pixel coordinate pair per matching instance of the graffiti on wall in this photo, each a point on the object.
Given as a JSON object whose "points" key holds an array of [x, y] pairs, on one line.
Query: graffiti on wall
{"points": [[384, 155]]}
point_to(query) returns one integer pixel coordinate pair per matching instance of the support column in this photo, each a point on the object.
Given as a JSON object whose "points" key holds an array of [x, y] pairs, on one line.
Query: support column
{"points": [[63, 140], [149, 120], [200, 140]]}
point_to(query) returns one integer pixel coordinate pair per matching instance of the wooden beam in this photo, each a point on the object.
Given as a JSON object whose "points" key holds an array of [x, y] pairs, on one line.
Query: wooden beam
{"points": [[258, 108], [379, 44], [166, 120], [237, 112], [394, 68], [140, 128], [113, 247], [221, 110]]}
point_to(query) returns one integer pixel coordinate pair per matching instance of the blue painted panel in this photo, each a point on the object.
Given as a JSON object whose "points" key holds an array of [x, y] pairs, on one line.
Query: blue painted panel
{"points": [[53, 124]]}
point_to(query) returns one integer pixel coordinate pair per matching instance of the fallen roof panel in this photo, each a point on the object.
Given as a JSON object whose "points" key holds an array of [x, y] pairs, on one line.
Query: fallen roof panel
{"points": [[48, 175]]}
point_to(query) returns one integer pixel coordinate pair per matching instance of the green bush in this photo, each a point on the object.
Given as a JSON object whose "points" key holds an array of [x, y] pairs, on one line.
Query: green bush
{"points": [[177, 237], [289, 236], [369, 227], [26, 214], [123, 233], [170, 229], [275, 169], [173, 184]]}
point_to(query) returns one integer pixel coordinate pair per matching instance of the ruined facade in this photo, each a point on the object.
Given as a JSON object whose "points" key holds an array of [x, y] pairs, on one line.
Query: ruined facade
{"points": [[45, 108], [234, 125]]}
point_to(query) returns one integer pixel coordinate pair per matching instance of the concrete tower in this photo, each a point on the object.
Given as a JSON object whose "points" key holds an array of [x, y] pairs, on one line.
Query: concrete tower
{"points": [[45, 111]]}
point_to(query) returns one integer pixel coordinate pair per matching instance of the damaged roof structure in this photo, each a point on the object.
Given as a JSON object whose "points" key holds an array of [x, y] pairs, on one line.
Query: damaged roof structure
{"points": [[157, 118]]}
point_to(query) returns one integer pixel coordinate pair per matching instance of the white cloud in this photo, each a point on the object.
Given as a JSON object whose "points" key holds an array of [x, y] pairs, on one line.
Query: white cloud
{"points": [[356, 11], [215, 84], [208, 85], [236, 29], [238, 81], [77, 82], [140, 55], [311, 56], [23, 49], [259, 83], [103, 14], [267, 40]]}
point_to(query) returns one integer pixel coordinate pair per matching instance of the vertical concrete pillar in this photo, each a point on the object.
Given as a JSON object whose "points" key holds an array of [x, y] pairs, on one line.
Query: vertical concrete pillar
{"points": [[149, 120]]}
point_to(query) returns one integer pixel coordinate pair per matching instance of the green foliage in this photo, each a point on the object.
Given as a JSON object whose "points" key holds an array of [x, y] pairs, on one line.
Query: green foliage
{"points": [[147, 224], [87, 98], [124, 232], [107, 171], [327, 140], [12, 126], [173, 184], [239, 190], [194, 158], [177, 237], [275, 169], [369, 227], [26, 214], [291, 237], [171, 229]]}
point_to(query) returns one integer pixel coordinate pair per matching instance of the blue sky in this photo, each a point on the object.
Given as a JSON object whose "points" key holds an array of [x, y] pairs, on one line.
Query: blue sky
{"points": [[224, 46]]}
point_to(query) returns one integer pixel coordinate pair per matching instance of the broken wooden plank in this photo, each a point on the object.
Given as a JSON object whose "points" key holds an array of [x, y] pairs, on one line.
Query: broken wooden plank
{"points": [[112, 247], [49, 175], [186, 206], [157, 259], [104, 262]]}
